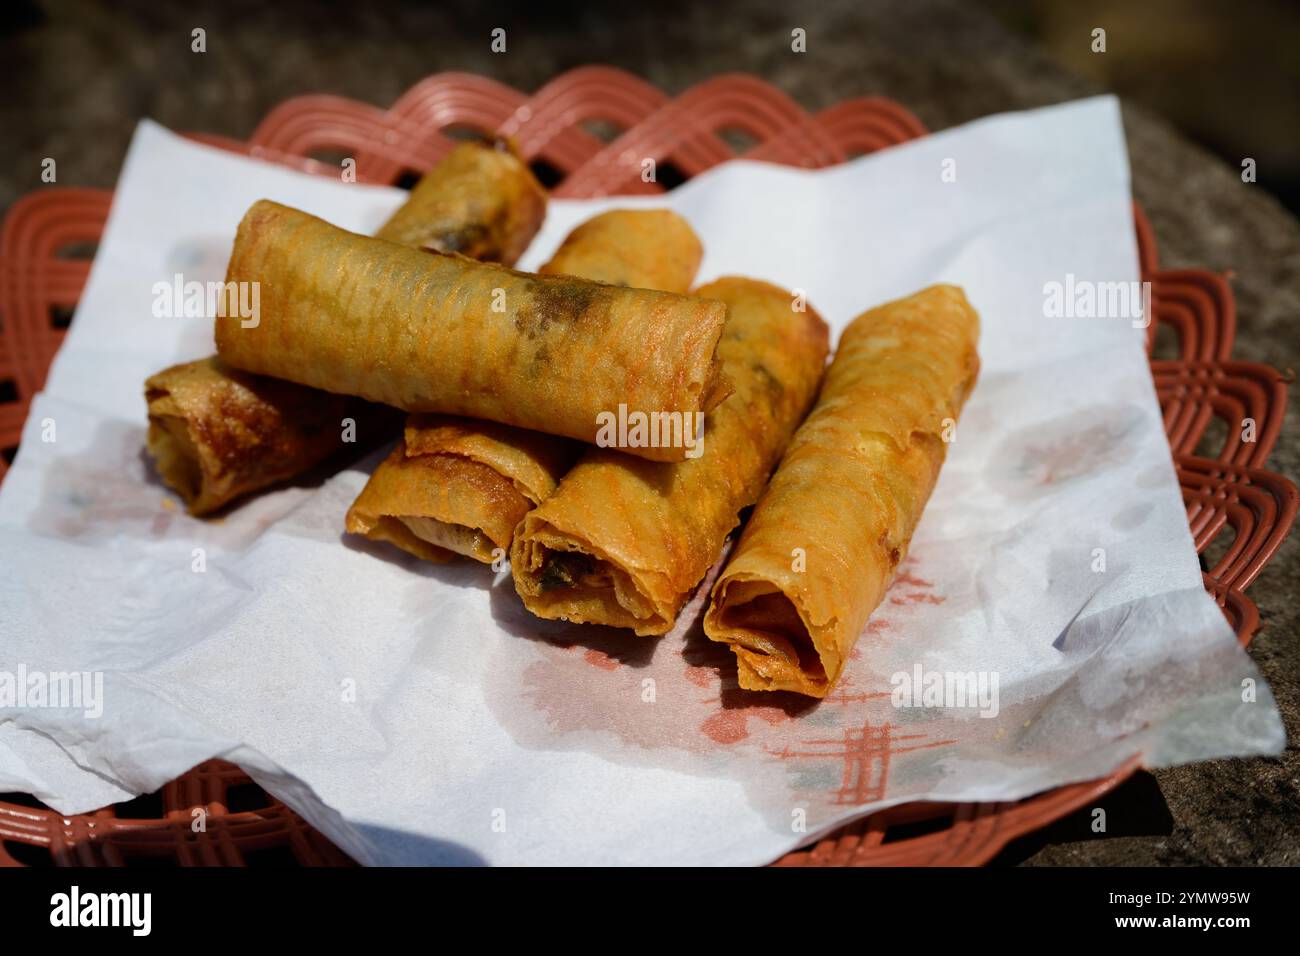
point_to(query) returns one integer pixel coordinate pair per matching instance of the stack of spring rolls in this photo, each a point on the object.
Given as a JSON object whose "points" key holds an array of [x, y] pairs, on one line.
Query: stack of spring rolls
{"points": [[218, 433], [596, 422], [460, 486]]}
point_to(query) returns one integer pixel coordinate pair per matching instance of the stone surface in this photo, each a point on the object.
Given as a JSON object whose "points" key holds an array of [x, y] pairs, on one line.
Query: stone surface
{"points": [[79, 76]]}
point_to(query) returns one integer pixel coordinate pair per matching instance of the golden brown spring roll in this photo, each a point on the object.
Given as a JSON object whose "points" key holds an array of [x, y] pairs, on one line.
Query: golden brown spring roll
{"points": [[441, 333], [217, 433], [624, 541], [458, 486], [481, 200], [640, 248], [848, 494], [469, 482]]}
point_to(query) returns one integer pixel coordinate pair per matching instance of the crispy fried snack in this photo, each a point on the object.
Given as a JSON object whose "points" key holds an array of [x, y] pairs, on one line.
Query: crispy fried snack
{"points": [[469, 482], [640, 248], [480, 200], [441, 333], [216, 433], [458, 486], [848, 492], [624, 541]]}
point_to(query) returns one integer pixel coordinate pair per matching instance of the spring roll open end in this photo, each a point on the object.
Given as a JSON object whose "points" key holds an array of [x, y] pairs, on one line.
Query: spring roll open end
{"points": [[440, 505], [568, 578], [774, 646], [176, 458], [216, 433]]}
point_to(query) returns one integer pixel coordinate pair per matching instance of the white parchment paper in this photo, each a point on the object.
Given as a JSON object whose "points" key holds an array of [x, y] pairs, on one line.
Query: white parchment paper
{"points": [[417, 713]]}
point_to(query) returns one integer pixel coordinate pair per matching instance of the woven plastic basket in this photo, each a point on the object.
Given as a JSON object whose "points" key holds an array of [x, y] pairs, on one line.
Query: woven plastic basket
{"points": [[586, 134]]}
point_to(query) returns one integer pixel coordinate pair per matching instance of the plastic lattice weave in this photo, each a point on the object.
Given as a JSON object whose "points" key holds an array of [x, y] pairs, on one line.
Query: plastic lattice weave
{"points": [[586, 133]]}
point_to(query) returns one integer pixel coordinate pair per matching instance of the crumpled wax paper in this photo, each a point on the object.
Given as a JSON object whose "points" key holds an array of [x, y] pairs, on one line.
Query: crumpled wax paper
{"points": [[417, 713]]}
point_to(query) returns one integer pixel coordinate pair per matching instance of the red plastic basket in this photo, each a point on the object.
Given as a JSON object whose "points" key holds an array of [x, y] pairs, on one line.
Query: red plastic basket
{"points": [[44, 261]]}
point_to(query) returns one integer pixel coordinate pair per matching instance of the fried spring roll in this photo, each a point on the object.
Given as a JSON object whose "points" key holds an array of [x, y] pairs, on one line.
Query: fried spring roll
{"points": [[640, 248], [848, 492], [467, 483], [440, 333], [624, 541], [458, 486], [217, 434], [481, 201]]}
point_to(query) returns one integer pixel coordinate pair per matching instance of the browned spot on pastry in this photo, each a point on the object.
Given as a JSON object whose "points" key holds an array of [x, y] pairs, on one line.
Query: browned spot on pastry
{"points": [[563, 301]]}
